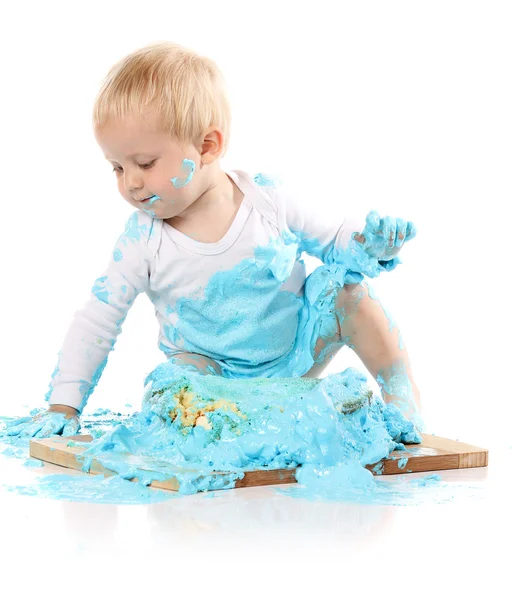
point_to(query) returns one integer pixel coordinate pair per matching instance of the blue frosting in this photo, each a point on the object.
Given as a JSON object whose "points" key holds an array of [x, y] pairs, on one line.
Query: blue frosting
{"points": [[101, 289], [188, 168]]}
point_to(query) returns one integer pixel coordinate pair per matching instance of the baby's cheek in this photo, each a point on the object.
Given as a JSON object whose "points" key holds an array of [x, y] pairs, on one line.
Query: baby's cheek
{"points": [[180, 197]]}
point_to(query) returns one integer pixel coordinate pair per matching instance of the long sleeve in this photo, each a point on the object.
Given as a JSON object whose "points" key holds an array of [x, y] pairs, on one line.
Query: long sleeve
{"points": [[328, 237], [95, 327], [320, 235]]}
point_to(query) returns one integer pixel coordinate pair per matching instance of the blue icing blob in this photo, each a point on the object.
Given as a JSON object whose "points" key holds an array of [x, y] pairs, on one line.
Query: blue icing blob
{"points": [[264, 180], [188, 168], [402, 462], [33, 462], [133, 230], [100, 289], [117, 255], [151, 201]]}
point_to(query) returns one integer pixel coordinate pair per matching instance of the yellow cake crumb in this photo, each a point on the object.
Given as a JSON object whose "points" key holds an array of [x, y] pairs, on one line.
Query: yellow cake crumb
{"points": [[190, 413], [202, 421]]}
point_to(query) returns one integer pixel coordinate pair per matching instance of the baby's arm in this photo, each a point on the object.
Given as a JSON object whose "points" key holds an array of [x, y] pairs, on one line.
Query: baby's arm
{"points": [[92, 334], [94, 329], [366, 246]]}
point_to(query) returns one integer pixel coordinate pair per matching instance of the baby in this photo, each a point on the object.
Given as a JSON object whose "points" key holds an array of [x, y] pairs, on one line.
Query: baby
{"points": [[219, 252]]}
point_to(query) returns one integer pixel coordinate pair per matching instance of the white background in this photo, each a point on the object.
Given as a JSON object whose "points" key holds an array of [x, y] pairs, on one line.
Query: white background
{"points": [[400, 106], [404, 107]]}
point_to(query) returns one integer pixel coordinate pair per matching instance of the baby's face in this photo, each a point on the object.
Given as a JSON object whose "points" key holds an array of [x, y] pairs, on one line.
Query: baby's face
{"points": [[147, 163]]}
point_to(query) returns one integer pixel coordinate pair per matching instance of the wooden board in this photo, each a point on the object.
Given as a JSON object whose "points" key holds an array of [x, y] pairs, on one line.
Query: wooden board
{"points": [[434, 454]]}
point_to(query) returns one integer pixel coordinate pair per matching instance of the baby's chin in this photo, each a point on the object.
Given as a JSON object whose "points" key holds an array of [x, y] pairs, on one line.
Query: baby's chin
{"points": [[160, 212]]}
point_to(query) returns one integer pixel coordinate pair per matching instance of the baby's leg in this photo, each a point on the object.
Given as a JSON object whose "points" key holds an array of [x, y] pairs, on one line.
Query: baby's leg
{"points": [[363, 326], [202, 364]]}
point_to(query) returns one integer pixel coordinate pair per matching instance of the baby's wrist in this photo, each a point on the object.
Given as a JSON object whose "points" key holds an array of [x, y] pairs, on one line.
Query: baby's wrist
{"points": [[63, 408]]}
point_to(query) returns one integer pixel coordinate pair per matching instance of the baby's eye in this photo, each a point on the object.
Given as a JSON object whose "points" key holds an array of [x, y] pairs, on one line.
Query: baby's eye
{"points": [[146, 166]]}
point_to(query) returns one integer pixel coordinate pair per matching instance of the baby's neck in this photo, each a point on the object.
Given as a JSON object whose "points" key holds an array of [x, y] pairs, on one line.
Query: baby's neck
{"points": [[210, 217]]}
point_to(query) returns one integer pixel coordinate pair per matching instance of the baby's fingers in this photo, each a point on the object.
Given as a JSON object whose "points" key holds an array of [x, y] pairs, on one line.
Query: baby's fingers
{"points": [[72, 427], [411, 231], [15, 430], [372, 221], [400, 234], [53, 424], [30, 429], [388, 227], [15, 426], [49, 428]]}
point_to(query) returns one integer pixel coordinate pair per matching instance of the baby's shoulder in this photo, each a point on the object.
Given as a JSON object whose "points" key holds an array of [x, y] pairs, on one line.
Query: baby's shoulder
{"points": [[266, 180], [270, 185], [143, 229], [276, 189], [265, 198]]}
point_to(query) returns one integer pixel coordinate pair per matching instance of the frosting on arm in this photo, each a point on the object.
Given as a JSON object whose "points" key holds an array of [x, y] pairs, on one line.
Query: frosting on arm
{"points": [[327, 237]]}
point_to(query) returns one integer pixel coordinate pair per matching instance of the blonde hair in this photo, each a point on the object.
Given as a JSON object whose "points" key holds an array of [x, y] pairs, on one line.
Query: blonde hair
{"points": [[186, 90]]}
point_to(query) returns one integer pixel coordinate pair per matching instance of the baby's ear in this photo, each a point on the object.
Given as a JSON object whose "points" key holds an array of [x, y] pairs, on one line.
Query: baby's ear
{"points": [[212, 145]]}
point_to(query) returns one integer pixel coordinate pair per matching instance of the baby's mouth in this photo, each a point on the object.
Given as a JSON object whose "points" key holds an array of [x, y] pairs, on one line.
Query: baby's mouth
{"points": [[151, 199]]}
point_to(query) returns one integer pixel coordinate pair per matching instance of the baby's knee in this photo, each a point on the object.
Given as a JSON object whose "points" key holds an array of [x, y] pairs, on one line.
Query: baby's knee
{"points": [[350, 297]]}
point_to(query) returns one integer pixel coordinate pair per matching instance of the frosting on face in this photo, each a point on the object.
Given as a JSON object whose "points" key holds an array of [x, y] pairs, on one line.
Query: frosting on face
{"points": [[188, 168]]}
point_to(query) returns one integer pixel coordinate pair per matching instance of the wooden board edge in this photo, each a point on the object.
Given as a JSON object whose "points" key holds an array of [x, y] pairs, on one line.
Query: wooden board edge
{"points": [[453, 446], [473, 459], [415, 464], [257, 478]]}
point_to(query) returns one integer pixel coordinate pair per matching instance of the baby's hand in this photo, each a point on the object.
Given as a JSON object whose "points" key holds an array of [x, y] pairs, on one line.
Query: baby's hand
{"points": [[45, 424], [383, 238]]}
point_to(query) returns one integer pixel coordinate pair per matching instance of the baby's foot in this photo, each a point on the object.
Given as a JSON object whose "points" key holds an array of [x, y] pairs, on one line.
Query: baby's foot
{"points": [[409, 407]]}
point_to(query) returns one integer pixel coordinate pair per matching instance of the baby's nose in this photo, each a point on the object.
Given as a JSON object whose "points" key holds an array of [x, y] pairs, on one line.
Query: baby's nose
{"points": [[133, 182]]}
